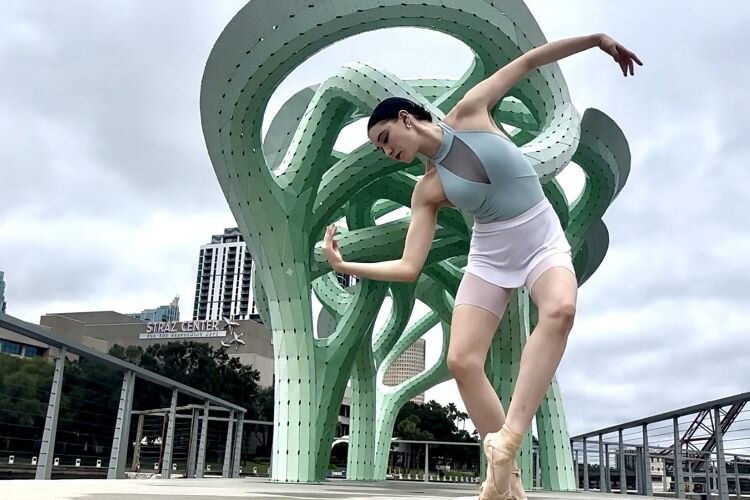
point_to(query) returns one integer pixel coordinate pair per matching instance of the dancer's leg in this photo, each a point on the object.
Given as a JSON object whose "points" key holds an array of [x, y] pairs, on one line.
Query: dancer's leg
{"points": [[555, 294], [472, 329], [478, 308], [476, 316]]}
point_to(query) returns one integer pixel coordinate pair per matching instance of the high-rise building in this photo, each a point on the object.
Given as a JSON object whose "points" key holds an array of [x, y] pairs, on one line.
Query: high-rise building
{"points": [[408, 365], [161, 313], [2, 292], [223, 286]]}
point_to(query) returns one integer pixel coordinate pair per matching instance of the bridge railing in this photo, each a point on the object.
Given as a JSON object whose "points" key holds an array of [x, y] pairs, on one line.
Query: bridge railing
{"points": [[72, 415], [695, 452]]}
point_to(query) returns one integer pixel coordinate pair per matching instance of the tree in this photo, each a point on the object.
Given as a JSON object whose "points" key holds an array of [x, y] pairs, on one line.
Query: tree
{"points": [[24, 391], [409, 428], [431, 419], [202, 367]]}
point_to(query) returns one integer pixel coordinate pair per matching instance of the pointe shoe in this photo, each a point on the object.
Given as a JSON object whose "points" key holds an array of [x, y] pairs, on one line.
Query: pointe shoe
{"points": [[516, 485], [500, 448]]}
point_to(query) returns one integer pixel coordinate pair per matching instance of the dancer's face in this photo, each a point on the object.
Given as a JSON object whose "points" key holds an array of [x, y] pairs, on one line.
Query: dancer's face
{"points": [[397, 138]]}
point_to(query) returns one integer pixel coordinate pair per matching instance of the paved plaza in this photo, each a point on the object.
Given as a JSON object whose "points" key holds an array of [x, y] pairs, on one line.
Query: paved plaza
{"points": [[255, 488]]}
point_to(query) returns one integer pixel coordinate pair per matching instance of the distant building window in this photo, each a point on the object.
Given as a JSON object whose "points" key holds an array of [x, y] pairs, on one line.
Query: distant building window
{"points": [[30, 351], [10, 348]]}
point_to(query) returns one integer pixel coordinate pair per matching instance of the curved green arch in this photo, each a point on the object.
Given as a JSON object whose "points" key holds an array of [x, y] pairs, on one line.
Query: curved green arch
{"points": [[285, 189]]}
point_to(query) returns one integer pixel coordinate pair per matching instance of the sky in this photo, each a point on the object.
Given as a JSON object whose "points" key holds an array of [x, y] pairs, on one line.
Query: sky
{"points": [[107, 192]]}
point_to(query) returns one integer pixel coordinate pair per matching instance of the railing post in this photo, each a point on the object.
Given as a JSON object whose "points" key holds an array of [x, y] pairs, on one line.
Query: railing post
{"points": [[119, 453], [166, 466], [607, 470], [201, 465], [193, 449], [737, 487], [237, 456], [602, 478], [136, 464], [426, 461], [623, 474], [678, 482], [721, 483], [585, 466], [47, 450], [228, 448], [648, 488]]}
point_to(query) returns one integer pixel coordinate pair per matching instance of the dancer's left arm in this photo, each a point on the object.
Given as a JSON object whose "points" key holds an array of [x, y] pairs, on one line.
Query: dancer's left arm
{"points": [[488, 92]]}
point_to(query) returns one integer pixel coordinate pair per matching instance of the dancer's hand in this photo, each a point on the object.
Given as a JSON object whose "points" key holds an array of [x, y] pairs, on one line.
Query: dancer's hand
{"points": [[331, 248], [620, 54]]}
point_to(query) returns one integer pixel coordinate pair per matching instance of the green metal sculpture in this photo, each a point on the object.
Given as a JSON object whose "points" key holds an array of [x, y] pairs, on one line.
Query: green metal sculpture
{"points": [[284, 190]]}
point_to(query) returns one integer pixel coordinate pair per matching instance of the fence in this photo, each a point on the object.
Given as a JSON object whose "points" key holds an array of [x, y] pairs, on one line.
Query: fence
{"points": [[695, 452], [74, 419]]}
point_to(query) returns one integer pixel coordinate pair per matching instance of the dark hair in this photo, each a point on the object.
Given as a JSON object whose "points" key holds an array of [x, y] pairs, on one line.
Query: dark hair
{"points": [[388, 109]]}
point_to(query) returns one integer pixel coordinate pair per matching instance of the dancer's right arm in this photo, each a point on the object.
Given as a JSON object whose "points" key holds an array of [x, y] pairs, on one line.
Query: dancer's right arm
{"points": [[407, 268]]}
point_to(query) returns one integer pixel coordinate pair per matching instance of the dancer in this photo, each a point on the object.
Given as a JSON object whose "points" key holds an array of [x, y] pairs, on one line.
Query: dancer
{"points": [[517, 240]]}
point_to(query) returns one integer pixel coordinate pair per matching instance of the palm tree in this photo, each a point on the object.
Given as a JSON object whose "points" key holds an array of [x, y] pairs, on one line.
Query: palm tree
{"points": [[457, 416], [462, 416]]}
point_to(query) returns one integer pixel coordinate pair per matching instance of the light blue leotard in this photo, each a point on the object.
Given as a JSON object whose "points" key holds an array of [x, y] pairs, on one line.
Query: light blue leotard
{"points": [[485, 175]]}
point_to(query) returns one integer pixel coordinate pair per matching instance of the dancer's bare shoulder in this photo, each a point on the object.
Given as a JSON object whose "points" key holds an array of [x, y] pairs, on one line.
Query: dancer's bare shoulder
{"points": [[469, 118]]}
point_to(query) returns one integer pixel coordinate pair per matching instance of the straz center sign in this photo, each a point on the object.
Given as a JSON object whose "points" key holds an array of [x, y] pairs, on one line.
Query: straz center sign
{"points": [[182, 330]]}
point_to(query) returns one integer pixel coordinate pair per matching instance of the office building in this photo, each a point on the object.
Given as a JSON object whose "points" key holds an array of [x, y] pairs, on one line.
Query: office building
{"points": [[408, 365], [223, 285], [170, 312], [2, 292]]}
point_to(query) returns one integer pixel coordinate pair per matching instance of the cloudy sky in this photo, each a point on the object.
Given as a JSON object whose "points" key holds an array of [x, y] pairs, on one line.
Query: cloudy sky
{"points": [[108, 193]]}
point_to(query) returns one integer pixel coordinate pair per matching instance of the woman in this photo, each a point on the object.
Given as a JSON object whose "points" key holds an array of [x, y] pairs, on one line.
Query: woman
{"points": [[517, 240]]}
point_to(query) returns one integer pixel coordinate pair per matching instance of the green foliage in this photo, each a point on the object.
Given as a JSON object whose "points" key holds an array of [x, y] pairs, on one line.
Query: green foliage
{"points": [[431, 422], [91, 391], [202, 367], [24, 390]]}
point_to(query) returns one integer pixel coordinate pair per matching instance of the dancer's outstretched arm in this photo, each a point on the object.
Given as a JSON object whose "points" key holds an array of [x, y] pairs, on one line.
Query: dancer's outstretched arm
{"points": [[417, 246], [488, 92]]}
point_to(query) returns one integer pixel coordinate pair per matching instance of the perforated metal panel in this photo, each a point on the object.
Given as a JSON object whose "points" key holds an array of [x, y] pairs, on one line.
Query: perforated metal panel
{"points": [[284, 191]]}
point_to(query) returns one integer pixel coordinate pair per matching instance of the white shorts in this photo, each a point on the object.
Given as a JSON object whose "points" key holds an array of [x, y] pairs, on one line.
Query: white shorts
{"points": [[511, 253]]}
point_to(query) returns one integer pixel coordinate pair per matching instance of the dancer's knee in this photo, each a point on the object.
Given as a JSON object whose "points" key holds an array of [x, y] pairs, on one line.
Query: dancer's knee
{"points": [[464, 367], [560, 314]]}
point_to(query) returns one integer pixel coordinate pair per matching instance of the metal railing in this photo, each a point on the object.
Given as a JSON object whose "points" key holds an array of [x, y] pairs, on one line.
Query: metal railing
{"points": [[48, 456], [682, 453]]}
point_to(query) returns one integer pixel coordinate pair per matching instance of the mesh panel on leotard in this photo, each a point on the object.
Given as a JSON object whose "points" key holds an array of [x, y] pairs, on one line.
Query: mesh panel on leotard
{"points": [[463, 162]]}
